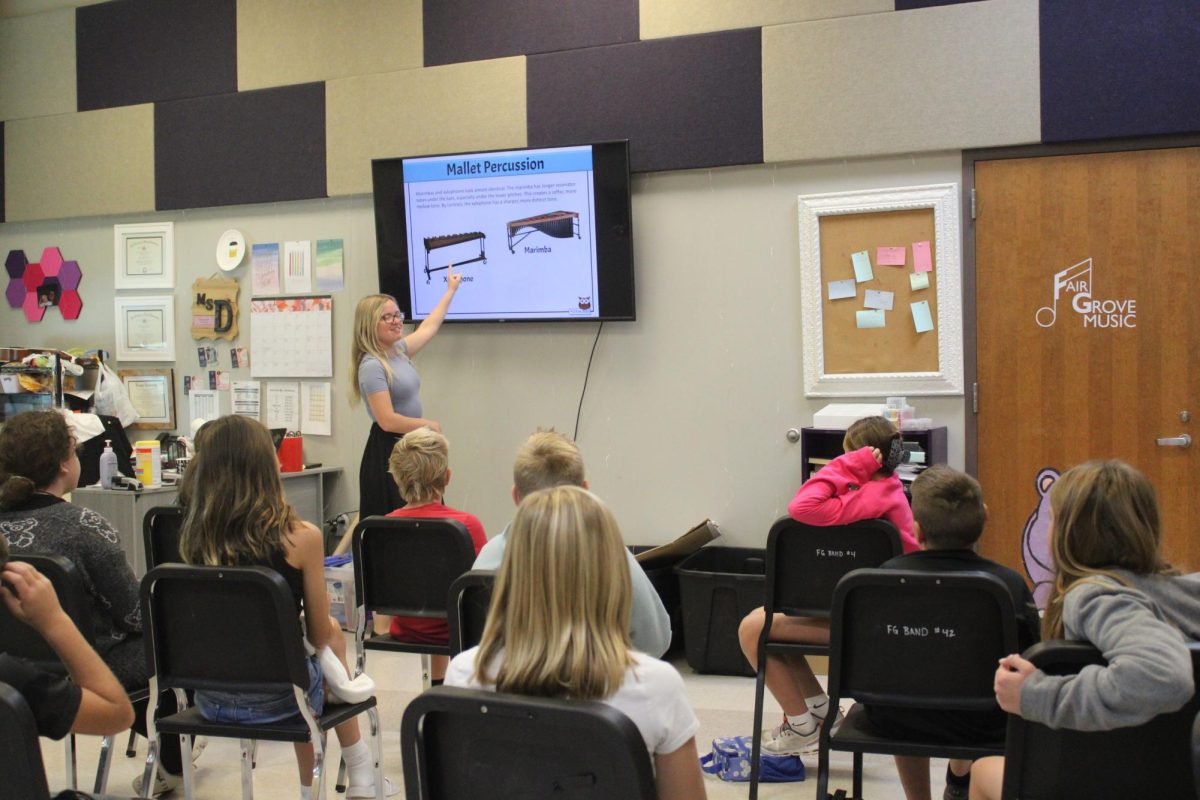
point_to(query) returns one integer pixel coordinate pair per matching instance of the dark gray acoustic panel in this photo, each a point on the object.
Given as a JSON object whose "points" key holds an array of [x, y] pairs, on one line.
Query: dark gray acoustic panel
{"points": [[144, 51], [1111, 68], [249, 147], [1, 170], [686, 102], [908, 5], [468, 30]]}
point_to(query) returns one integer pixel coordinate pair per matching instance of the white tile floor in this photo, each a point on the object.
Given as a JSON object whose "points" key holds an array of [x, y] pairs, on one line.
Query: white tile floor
{"points": [[723, 704]]}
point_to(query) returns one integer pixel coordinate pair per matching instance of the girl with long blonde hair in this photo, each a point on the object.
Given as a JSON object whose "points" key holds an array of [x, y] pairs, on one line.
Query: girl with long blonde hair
{"points": [[559, 627]]}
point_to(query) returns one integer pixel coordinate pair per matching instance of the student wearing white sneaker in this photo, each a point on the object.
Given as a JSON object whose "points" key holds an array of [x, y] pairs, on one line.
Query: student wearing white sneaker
{"points": [[237, 515]]}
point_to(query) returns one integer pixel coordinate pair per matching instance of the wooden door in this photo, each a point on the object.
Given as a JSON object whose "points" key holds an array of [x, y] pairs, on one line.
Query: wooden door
{"points": [[1109, 365]]}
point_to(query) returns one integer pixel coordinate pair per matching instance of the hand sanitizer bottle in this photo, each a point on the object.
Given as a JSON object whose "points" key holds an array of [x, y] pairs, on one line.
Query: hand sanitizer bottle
{"points": [[108, 466]]}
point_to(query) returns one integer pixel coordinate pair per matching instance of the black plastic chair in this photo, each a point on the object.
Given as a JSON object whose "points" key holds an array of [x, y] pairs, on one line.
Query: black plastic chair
{"points": [[470, 598], [1148, 760], [804, 565], [916, 640], [1196, 752], [404, 567], [160, 535], [462, 744], [20, 753], [233, 629]]}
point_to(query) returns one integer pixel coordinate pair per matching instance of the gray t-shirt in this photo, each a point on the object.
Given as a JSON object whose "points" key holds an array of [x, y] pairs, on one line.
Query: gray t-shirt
{"points": [[405, 387]]}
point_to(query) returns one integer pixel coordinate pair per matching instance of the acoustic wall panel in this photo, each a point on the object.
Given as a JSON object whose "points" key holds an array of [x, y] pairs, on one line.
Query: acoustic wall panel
{"points": [[476, 106], [937, 79], [660, 18], [249, 147], [1, 170], [24, 8], [143, 51], [686, 102], [37, 65], [468, 30], [323, 40], [80, 165], [1112, 68], [908, 5]]}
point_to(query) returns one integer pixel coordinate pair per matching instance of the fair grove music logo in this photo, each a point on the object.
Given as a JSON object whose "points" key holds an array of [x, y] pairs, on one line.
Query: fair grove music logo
{"points": [[1076, 281]]}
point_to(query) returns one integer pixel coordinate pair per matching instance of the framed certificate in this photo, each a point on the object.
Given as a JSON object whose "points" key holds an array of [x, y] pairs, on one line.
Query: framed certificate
{"points": [[152, 392], [146, 328], [144, 255]]}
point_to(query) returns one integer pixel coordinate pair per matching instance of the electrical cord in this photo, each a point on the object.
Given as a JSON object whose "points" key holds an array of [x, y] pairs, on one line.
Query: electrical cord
{"points": [[586, 374]]}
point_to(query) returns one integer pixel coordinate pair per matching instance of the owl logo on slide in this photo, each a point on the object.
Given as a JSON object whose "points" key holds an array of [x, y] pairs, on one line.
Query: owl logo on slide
{"points": [[1035, 540]]}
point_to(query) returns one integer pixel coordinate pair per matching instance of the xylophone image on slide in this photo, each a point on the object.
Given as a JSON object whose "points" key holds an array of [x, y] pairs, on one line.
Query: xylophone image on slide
{"points": [[559, 224], [435, 242]]}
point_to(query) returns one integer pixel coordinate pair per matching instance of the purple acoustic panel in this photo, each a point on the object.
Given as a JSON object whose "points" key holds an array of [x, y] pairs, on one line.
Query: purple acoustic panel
{"points": [[15, 263], [70, 275], [468, 30], [70, 305], [249, 147], [683, 103], [15, 292], [145, 51], [1112, 68]]}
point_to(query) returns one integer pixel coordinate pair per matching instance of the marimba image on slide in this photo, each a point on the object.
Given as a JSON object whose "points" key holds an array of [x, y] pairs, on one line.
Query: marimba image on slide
{"points": [[559, 224]]}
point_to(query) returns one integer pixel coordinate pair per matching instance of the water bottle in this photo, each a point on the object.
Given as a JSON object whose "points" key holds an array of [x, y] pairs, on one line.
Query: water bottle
{"points": [[108, 466]]}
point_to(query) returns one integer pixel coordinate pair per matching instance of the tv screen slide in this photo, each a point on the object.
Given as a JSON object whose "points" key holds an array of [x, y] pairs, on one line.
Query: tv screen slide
{"points": [[537, 234]]}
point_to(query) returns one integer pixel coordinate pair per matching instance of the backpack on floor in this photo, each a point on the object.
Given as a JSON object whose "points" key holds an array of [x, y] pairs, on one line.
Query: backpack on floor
{"points": [[730, 761]]}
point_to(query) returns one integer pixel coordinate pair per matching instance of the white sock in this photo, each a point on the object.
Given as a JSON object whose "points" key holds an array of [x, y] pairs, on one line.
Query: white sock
{"points": [[360, 767], [818, 705], [801, 723], [305, 793]]}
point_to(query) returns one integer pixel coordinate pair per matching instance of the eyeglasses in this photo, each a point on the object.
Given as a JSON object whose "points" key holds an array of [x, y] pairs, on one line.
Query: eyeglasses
{"points": [[395, 316]]}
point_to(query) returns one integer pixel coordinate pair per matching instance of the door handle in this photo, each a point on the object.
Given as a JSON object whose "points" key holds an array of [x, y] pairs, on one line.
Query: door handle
{"points": [[1175, 441]]}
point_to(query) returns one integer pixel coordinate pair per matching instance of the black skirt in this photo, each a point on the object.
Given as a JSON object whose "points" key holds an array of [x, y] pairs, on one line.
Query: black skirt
{"points": [[377, 492]]}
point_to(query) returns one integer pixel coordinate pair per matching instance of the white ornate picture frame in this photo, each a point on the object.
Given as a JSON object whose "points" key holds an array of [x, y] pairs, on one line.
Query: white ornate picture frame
{"points": [[948, 379], [145, 327], [144, 255]]}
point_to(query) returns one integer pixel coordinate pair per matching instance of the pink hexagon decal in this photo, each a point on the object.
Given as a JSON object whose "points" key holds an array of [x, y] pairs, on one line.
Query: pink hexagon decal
{"points": [[51, 260], [33, 277], [33, 310], [69, 274], [71, 304], [15, 292], [15, 263]]}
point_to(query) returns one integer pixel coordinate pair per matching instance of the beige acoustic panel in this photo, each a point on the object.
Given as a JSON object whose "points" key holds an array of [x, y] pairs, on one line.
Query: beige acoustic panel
{"points": [[479, 105], [949, 77], [660, 18], [37, 65], [282, 42], [80, 165], [23, 8]]}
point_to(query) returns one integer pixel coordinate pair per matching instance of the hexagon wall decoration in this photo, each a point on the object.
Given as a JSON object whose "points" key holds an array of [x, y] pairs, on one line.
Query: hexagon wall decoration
{"points": [[34, 287]]}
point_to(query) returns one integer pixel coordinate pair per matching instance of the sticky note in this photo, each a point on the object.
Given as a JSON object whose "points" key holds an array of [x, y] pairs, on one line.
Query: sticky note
{"points": [[869, 319], [921, 258], [918, 280], [862, 266], [922, 319], [877, 299], [889, 256], [840, 290]]}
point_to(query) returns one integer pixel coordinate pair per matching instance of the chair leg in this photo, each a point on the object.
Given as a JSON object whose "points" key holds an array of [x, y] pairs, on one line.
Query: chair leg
{"points": [[340, 786], [823, 768], [69, 761], [319, 767], [376, 751], [131, 745], [106, 748], [253, 753], [248, 749], [756, 742], [151, 765], [858, 761], [189, 771], [426, 671]]}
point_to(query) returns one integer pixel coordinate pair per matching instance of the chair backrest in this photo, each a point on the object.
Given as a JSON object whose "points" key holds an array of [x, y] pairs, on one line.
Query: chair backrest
{"points": [[230, 629], [469, 601], [405, 566], [461, 744], [805, 562], [1148, 760], [920, 639], [1196, 751], [18, 639], [160, 535], [20, 753]]}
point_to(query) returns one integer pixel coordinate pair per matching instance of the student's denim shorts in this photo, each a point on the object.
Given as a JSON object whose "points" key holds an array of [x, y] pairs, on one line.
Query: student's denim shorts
{"points": [[260, 709]]}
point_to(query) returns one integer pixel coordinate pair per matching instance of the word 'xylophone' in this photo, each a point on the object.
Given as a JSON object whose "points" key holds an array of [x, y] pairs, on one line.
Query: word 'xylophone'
{"points": [[435, 242], [559, 224]]}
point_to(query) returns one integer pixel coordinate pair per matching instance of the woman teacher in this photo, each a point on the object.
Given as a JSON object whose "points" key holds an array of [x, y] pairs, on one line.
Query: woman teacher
{"points": [[382, 374]]}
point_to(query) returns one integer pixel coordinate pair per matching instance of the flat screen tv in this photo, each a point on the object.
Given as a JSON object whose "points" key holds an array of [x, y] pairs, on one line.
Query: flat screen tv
{"points": [[537, 233]]}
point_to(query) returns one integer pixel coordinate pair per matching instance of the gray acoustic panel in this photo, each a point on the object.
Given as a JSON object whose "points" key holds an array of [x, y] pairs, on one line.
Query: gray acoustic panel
{"points": [[1, 170], [249, 147], [143, 51], [468, 30], [683, 103]]}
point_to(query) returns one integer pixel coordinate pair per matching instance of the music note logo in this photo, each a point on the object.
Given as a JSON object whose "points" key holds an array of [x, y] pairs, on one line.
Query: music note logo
{"points": [[1077, 279]]}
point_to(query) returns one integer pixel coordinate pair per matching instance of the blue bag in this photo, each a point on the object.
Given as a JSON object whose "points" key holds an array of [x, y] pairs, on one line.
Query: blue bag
{"points": [[730, 761]]}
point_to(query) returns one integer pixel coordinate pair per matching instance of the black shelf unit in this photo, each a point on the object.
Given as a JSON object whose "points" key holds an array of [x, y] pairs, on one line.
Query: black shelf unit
{"points": [[826, 443]]}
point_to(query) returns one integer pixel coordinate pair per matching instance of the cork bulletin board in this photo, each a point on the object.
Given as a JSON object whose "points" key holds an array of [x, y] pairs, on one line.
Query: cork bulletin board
{"points": [[842, 359]]}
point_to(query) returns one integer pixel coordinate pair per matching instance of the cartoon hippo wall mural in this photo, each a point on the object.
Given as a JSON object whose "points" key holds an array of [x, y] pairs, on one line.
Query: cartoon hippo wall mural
{"points": [[1035, 540]]}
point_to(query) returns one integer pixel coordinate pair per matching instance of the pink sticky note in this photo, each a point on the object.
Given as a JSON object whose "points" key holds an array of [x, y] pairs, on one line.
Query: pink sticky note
{"points": [[889, 256], [921, 260]]}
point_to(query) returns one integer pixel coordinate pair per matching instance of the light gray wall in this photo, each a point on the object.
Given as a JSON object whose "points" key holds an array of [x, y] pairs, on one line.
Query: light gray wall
{"points": [[686, 408]]}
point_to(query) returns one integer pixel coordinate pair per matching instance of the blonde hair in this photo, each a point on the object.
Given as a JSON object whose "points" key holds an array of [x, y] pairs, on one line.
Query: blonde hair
{"points": [[235, 509], [367, 315], [1104, 516], [418, 465], [546, 459], [560, 611]]}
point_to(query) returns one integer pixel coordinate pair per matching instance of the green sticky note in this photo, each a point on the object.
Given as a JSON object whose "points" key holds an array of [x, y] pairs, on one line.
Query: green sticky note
{"points": [[872, 318], [862, 266], [922, 319], [918, 280]]}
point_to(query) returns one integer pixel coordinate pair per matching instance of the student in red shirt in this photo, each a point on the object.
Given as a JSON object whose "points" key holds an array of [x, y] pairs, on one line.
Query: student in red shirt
{"points": [[419, 465]]}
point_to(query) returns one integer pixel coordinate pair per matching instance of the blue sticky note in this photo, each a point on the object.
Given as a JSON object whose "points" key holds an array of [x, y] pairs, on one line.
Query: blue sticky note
{"points": [[876, 299], [862, 266], [840, 290], [869, 319], [921, 316]]}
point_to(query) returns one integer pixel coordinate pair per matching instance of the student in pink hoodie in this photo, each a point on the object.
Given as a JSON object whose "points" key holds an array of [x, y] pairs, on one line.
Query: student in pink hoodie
{"points": [[857, 485]]}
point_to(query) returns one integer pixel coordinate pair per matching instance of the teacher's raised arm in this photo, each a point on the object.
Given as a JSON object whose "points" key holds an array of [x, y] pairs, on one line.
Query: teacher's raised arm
{"points": [[382, 375]]}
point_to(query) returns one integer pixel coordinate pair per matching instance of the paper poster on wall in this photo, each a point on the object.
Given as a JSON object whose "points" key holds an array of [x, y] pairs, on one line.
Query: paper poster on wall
{"points": [[297, 267], [264, 271], [292, 337], [283, 405], [205, 403], [247, 396], [314, 409], [329, 265]]}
